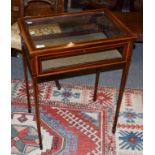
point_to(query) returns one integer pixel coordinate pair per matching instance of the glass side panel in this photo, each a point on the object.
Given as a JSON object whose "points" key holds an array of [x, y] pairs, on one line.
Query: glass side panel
{"points": [[70, 30], [79, 59]]}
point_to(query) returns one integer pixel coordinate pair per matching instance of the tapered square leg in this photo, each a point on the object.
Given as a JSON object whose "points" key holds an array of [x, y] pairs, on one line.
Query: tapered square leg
{"points": [[96, 85], [37, 113], [26, 81], [57, 84], [120, 96]]}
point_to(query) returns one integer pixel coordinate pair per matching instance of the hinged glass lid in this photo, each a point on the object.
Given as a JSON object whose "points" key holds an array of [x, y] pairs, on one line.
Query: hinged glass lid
{"points": [[69, 30]]}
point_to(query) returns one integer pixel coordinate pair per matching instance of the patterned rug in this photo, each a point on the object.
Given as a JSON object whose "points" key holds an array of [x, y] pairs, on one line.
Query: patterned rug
{"points": [[72, 124]]}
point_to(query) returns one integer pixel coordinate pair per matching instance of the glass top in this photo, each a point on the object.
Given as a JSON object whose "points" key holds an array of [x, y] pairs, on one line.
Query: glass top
{"points": [[71, 30]]}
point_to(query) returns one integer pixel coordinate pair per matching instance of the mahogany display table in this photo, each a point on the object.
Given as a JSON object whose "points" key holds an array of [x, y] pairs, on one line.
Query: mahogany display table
{"points": [[71, 44]]}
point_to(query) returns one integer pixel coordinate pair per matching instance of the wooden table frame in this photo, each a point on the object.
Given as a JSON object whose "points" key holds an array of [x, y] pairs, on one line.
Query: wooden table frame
{"points": [[31, 58]]}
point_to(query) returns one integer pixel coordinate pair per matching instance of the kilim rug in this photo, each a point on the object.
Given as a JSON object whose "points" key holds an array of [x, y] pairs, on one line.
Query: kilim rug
{"points": [[72, 124]]}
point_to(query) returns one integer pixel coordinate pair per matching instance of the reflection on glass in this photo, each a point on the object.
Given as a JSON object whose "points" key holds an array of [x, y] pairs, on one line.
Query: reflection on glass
{"points": [[76, 29]]}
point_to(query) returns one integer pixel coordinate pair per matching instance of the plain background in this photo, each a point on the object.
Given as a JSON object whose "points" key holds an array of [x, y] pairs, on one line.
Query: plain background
{"points": [[149, 77]]}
